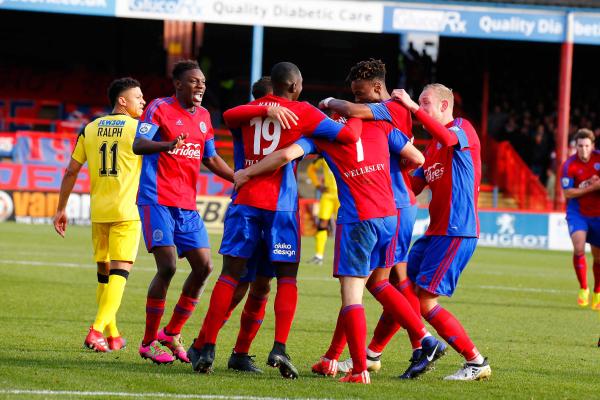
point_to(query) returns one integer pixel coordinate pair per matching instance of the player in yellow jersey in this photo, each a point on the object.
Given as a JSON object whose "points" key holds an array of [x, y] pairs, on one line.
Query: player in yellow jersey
{"points": [[328, 205], [114, 171]]}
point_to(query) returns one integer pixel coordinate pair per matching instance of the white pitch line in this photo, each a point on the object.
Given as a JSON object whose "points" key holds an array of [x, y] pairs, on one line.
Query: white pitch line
{"points": [[66, 265], [300, 278], [147, 394], [519, 289]]}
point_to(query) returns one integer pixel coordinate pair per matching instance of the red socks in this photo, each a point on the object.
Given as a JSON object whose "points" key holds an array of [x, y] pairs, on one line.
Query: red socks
{"points": [[338, 342], [220, 300], [286, 301], [398, 306], [387, 326], [155, 308], [384, 332], [580, 266], [452, 331], [355, 326], [182, 312], [252, 318], [596, 269], [407, 289]]}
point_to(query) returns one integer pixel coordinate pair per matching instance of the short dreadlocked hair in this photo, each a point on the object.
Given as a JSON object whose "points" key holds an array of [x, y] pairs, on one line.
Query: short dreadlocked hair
{"points": [[367, 70]]}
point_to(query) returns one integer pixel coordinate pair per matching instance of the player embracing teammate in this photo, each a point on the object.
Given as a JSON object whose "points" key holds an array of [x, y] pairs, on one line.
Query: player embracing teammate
{"points": [[267, 210]]}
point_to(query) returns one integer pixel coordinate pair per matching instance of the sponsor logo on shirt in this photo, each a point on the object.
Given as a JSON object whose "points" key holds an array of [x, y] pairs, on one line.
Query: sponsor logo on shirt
{"points": [[284, 249], [434, 172], [188, 150], [144, 128], [367, 169], [111, 122]]}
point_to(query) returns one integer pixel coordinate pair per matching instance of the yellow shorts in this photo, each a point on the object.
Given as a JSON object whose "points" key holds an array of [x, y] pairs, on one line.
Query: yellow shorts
{"points": [[328, 206], [116, 241]]}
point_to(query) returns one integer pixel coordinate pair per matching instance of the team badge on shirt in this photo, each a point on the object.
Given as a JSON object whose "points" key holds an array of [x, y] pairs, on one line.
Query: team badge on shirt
{"points": [[145, 128], [597, 166], [203, 127]]}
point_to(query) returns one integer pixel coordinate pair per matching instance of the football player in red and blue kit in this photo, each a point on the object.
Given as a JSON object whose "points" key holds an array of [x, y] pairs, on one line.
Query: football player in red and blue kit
{"points": [[581, 184], [452, 170], [366, 227], [257, 278], [267, 209], [367, 82], [175, 135]]}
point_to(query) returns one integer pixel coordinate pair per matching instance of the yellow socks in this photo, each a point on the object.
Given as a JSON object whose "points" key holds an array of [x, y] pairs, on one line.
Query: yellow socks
{"points": [[320, 241], [110, 300]]}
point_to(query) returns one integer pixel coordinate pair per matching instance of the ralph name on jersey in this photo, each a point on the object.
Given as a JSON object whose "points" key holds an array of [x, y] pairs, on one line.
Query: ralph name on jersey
{"points": [[111, 128]]}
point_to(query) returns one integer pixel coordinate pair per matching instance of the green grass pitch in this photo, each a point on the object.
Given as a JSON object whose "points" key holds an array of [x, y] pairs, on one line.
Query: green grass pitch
{"points": [[518, 306]]}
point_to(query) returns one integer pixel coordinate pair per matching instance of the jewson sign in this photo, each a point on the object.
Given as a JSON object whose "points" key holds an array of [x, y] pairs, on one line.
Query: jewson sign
{"points": [[84, 7], [474, 22], [514, 229]]}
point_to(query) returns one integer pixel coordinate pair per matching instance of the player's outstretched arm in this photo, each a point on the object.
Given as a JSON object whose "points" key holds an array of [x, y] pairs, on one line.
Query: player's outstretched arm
{"points": [[268, 164], [66, 187], [591, 185], [234, 117], [412, 155], [346, 108], [400, 144], [219, 167], [332, 130], [143, 146], [437, 130]]}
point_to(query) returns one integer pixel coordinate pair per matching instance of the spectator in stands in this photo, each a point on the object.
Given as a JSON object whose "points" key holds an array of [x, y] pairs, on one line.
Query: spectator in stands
{"points": [[540, 153], [497, 120]]}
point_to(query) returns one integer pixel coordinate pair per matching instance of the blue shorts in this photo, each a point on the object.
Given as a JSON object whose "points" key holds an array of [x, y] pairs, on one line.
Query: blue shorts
{"points": [[436, 262], [361, 247], [406, 222], [172, 226], [246, 226], [258, 264], [591, 225]]}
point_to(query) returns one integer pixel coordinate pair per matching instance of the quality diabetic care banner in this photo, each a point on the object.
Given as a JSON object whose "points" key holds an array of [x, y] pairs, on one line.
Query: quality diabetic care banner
{"points": [[489, 21], [353, 16]]}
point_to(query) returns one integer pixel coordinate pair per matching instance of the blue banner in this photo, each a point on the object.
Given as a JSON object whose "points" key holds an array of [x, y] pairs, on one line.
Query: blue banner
{"points": [[84, 7], [518, 24], [506, 229], [586, 29]]}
